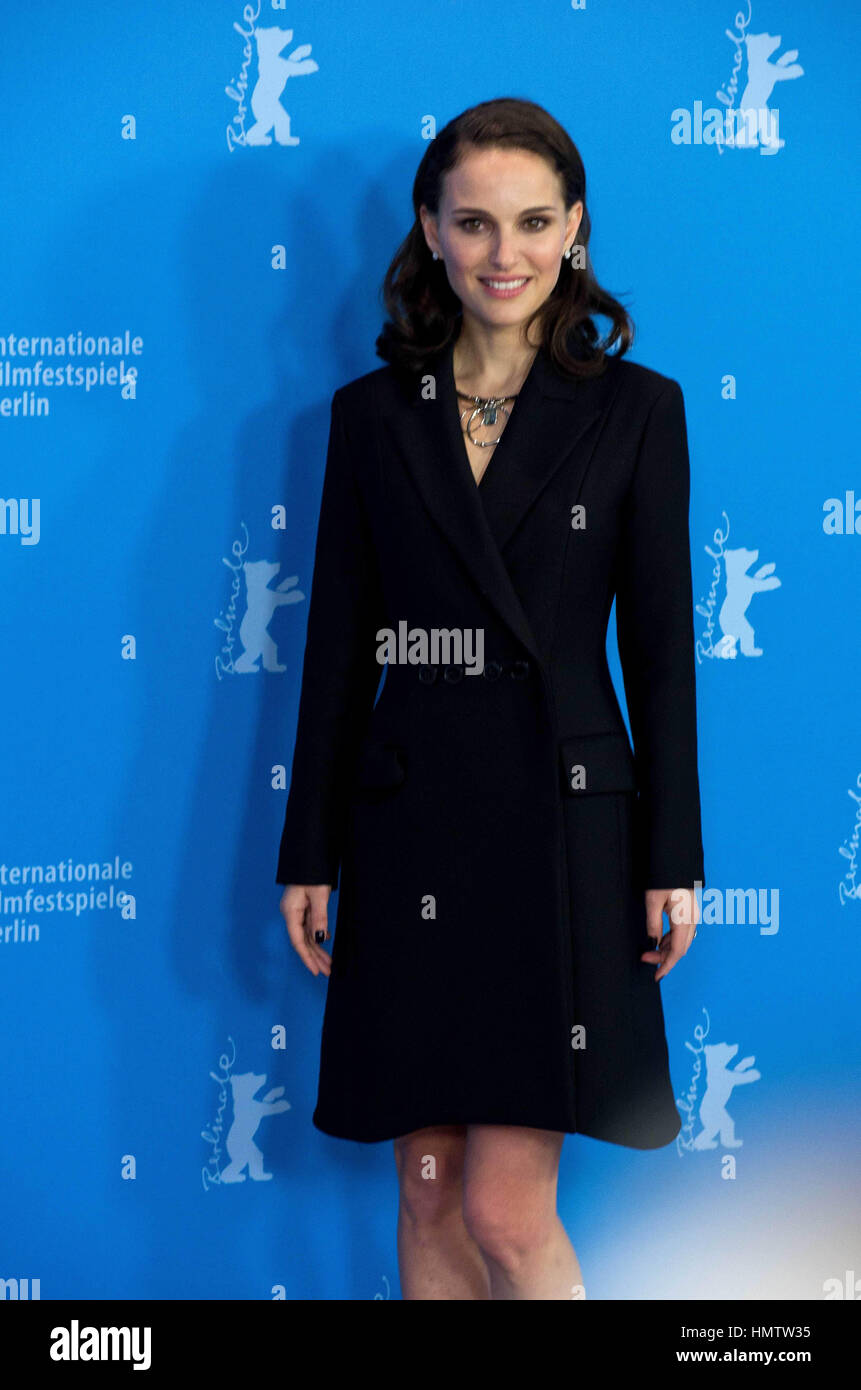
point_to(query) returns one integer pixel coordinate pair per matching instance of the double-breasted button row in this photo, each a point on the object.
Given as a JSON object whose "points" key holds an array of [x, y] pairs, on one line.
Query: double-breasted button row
{"points": [[518, 670]]}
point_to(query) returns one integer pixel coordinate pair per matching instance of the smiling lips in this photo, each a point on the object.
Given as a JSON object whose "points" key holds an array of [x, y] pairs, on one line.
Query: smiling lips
{"points": [[504, 287]]}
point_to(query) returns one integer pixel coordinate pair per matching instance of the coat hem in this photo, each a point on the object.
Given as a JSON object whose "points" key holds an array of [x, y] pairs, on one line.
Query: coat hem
{"points": [[336, 1131]]}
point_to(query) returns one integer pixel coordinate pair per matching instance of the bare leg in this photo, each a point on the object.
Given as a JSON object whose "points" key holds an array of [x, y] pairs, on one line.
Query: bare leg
{"points": [[437, 1257], [510, 1180]]}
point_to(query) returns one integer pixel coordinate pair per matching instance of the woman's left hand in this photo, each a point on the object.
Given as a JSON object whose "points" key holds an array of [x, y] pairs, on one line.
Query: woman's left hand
{"points": [[680, 905]]}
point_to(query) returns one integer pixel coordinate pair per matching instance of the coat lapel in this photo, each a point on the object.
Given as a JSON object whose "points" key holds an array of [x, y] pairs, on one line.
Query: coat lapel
{"points": [[551, 424]]}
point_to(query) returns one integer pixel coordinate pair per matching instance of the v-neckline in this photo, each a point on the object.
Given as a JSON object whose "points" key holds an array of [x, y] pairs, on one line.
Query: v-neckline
{"points": [[527, 387], [512, 411]]}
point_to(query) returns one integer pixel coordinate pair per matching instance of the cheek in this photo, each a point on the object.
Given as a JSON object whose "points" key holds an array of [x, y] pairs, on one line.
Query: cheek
{"points": [[546, 259], [462, 260]]}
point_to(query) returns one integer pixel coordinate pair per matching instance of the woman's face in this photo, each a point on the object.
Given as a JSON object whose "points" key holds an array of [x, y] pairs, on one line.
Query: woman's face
{"points": [[501, 231]]}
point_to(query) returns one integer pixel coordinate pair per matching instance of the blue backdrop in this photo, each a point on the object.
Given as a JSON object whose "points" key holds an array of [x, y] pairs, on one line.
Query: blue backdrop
{"points": [[178, 304]]}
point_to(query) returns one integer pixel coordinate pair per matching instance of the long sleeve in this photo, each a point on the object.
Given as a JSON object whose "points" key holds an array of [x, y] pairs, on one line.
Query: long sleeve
{"points": [[340, 673], [655, 632]]}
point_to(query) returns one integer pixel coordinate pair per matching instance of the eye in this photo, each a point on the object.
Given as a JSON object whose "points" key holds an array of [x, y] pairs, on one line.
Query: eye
{"points": [[536, 223]]}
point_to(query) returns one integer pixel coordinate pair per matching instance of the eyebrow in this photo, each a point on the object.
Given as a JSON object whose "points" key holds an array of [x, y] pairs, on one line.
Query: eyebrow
{"points": [[548, 207]]}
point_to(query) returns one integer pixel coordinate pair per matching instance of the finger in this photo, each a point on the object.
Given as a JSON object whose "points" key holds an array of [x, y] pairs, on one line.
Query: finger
{"points": [[678, 940], [297, 923], [306, 955], [316, 921], [655, 919], [317, 952], [670, 959], [296, 918], [313, 951], [656, 954], [325, 963], [319, 918], [323, 959]]}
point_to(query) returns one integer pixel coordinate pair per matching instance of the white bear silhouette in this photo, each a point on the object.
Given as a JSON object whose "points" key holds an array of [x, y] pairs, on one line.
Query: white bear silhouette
{"points": [[761, 77], [740, 589], [720, 1082], [247, 1114], [261, 602], [272, 74]]}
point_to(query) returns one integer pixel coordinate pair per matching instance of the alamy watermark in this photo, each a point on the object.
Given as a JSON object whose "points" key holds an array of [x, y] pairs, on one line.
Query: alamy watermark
{"points": [[731, 906], [436, 646]]}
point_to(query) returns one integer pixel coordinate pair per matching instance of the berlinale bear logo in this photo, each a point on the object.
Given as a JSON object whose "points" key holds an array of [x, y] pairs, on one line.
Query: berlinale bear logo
{"points": [[273, 71], [720, 1083], [247, 1114], [251, 630], [261, 602]]}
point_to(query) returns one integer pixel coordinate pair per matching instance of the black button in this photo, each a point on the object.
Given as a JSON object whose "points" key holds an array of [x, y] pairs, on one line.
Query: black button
{"points": [[428, 674], [519, 670], [453, 674], [492, 670]]}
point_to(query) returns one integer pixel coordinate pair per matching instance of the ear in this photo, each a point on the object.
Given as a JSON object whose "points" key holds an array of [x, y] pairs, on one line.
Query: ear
{"points": [[429, 227], [575, 217]]}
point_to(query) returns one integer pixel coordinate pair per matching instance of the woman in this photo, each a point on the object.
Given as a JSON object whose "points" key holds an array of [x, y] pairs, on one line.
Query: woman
{"points": [[504, 855]]}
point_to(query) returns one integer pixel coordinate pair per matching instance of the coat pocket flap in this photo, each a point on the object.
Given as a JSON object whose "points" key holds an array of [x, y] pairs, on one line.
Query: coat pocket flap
{"points": [[598, 763], [380, 766]]}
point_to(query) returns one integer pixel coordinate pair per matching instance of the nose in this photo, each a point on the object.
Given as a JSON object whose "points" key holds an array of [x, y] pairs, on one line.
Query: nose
{"points": [[503, 253]]}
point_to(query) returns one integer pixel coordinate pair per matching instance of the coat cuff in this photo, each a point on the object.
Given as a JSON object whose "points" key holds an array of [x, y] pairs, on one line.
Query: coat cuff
{"points": [[674, 873], [306, 873]]}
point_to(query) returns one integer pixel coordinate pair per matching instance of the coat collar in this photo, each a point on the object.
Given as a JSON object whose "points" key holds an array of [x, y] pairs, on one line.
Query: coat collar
{"points": [[552, 423]]}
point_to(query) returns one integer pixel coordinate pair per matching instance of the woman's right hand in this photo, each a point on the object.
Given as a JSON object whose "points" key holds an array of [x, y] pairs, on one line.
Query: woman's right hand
{"points": [[304, 909]]}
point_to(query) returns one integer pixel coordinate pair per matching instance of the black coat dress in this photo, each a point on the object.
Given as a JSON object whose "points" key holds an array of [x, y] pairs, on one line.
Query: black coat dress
{"points": [[495, 832]]}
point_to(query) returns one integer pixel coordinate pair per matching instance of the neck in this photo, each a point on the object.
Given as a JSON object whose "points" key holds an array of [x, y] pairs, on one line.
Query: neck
{"points": [[491, 361]]}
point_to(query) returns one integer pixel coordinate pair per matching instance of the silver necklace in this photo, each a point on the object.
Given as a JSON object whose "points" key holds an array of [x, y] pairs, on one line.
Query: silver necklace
{"points": [[487, 407]]}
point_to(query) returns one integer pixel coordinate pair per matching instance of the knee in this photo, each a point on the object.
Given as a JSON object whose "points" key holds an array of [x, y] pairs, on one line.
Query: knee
{"points": [[430, 1180], [508, 1231]]}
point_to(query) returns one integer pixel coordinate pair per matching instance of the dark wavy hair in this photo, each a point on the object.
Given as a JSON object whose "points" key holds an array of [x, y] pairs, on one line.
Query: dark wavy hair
{"points": [[425, 313]]}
